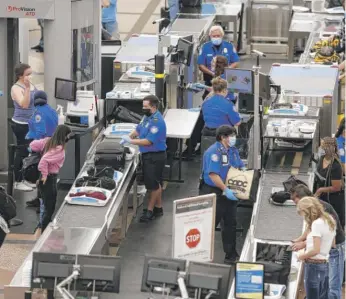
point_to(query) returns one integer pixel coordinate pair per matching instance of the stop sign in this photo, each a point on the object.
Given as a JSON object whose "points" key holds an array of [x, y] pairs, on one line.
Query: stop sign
{"points": [[193, 237]]}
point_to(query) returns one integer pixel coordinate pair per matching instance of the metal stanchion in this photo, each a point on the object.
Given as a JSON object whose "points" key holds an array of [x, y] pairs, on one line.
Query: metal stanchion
{"points": [[10, 180]]}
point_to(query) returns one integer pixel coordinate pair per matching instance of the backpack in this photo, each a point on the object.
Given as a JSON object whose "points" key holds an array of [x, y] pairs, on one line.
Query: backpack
{"points": [[30, 170], [110, 152], [8, 207], [280, 197]]}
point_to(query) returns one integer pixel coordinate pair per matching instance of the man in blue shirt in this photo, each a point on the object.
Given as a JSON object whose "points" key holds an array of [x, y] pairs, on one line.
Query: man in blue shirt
{"points": [[150, 137], [217, 161], [218, 110], [216, 46], [109, 22]]}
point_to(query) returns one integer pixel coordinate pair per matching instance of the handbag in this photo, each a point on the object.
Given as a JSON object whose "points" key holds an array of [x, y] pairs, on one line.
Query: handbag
{"points": [[30, 170], [291, 183], [240, 182], [8, 207]]}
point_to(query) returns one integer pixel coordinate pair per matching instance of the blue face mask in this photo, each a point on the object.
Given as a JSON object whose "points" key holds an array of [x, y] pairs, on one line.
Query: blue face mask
{"points": [[232, 140], [216, 41]]}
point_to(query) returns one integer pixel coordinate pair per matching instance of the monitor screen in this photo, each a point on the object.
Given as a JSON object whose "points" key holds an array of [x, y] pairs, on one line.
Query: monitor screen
{"points": [[65, 89], [239, 80], [185, 49]]}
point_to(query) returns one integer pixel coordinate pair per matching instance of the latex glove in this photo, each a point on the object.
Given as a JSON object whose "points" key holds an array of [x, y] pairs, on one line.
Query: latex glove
{"points": [[197, 109], [126, 139], [230, 194], [244, 168], [29, 150]]}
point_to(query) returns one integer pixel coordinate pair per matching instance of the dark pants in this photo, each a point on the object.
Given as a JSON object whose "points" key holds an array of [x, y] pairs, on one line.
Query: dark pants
{"points": [[208, 132], [226, 210], [337, 201], [316, 281], [153, 165], [49, 192], [20, 132]]}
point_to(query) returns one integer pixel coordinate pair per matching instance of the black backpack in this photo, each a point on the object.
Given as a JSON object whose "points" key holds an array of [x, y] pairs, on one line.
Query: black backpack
{"points": [[110, 152], [8, 207], [30, 170]]}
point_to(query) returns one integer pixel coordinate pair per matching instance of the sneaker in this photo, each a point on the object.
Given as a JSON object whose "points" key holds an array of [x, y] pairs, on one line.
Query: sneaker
{"points": [[20, 186], [34, 203], [231, 259], [31, 185], [147, 216], [158, 212]]}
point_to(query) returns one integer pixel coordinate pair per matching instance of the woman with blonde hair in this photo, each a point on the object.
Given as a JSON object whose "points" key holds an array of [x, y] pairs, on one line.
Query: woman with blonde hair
{"points": [[321, 230]]}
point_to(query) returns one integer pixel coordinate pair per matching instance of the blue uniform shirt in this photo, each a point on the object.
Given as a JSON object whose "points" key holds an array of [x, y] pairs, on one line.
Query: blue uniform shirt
{"points": [[341, 146], [42, 123], [218, 159], [209, 51], [109, 13], [218, 111], [153, 128]]}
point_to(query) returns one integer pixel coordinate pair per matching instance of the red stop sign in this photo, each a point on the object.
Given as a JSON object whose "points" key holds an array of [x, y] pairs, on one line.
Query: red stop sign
{"points": [[193, 237]]}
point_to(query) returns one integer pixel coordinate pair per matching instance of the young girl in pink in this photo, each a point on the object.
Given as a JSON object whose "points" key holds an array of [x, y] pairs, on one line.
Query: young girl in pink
{"points": [[53, 157]]}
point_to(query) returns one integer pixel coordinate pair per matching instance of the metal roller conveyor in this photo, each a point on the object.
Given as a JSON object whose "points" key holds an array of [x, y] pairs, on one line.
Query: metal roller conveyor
{"points": [[83, 229]]}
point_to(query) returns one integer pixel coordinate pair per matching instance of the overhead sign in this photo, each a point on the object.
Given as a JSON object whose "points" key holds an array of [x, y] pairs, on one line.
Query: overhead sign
{"points": [[249, 281], [35, 9], [193, 228]]}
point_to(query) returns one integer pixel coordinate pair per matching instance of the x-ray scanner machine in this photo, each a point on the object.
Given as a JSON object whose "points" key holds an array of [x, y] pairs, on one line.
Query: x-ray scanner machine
{"points": [[71, 49]]}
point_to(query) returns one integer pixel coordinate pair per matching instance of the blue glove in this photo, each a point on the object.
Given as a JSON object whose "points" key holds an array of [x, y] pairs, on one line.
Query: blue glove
{"points": [[197, 109], [29, 150], [125, 139], [244, 168], [230, 194]]}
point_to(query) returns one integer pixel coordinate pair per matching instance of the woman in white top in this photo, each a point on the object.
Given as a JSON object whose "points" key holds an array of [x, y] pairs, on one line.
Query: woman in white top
{"points": [[321, 229]]}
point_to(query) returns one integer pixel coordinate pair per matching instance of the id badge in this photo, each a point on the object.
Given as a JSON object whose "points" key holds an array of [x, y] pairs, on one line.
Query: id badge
{"points": [[224, 159]]}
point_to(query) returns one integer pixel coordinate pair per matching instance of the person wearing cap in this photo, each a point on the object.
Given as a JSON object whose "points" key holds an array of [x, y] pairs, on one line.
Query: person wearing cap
{"points": [[150, 137], [42, 124], [217, 160], [336, 255]]}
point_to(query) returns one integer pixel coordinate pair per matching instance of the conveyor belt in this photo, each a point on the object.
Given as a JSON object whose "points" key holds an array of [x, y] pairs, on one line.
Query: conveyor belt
{"points": [[271, 221]]}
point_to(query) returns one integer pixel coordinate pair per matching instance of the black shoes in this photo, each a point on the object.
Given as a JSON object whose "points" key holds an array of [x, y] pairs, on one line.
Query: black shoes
{"points": [[151, 215], [231, 259], [35, 203], [38, 49]]}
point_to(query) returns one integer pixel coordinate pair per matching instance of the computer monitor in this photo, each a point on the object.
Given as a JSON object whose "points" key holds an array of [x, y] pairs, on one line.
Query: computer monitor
{"points": [[185, 50], [49, 269], [65, 89], [264, 86], [161, 271], [104, 271], [209, 277], [239, 80]]}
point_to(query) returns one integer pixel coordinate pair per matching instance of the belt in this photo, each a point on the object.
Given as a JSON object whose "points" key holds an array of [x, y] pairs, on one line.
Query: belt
{"points": [[152, 153], [315, 261]]}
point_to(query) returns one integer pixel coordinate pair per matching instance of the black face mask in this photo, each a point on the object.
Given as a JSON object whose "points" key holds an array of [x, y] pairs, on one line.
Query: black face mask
{"points": [[146, 112]]}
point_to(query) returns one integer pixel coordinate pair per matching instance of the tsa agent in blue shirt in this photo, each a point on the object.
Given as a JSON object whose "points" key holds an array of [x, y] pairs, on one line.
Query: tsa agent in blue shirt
{"points": [[216, 46], [150, 136], [217, 110], [109, 12], [44, 120], [217, 161]]}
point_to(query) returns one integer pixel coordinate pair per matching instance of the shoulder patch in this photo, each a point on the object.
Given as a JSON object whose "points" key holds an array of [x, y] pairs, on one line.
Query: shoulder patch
{"points": [[38, 118], [214, 157], [154, 130], [225, 50], [341, 152]]}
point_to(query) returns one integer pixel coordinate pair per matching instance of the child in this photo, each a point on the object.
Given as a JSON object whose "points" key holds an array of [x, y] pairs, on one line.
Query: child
{"points": [[53, 157]]}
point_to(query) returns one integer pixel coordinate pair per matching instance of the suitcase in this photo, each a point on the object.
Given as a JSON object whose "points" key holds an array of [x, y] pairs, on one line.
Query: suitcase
{"points": [[110, 153]]}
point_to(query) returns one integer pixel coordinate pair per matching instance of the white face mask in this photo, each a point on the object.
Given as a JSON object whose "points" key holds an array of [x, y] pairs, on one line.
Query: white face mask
{"points": [[232, 140]]}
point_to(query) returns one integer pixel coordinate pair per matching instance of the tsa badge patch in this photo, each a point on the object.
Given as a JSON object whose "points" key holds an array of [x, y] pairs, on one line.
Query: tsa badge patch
{"points": [[37, 118], [341, 152], [215, 158], [154, 130]]}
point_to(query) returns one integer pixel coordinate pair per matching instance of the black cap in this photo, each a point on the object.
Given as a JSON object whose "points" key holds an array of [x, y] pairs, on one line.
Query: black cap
{"points": [[40, 98], [225, 131]]}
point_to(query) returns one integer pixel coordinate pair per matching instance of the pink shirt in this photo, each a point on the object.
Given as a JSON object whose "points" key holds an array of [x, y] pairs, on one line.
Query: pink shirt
{"points": [[51, 161]]}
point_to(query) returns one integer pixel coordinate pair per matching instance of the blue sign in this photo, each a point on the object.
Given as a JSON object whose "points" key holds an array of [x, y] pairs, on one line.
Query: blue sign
{"points": [[249, 281]]}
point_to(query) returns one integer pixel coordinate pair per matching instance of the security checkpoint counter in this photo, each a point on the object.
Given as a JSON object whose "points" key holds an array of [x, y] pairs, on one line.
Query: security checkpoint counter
{"points": [[78, 229]]}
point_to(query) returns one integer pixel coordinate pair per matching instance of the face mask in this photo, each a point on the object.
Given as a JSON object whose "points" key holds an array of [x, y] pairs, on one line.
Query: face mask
{"points": [[232, 140], [216, 41], [146, 111], [321, 152]]}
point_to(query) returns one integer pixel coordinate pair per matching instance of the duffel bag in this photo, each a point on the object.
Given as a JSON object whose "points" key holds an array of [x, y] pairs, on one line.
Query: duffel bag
{"points": [[8, 207], [110, 153]]}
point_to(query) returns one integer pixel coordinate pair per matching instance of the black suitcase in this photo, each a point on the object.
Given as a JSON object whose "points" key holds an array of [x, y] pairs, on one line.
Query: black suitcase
{"points": [[110, 153]]}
